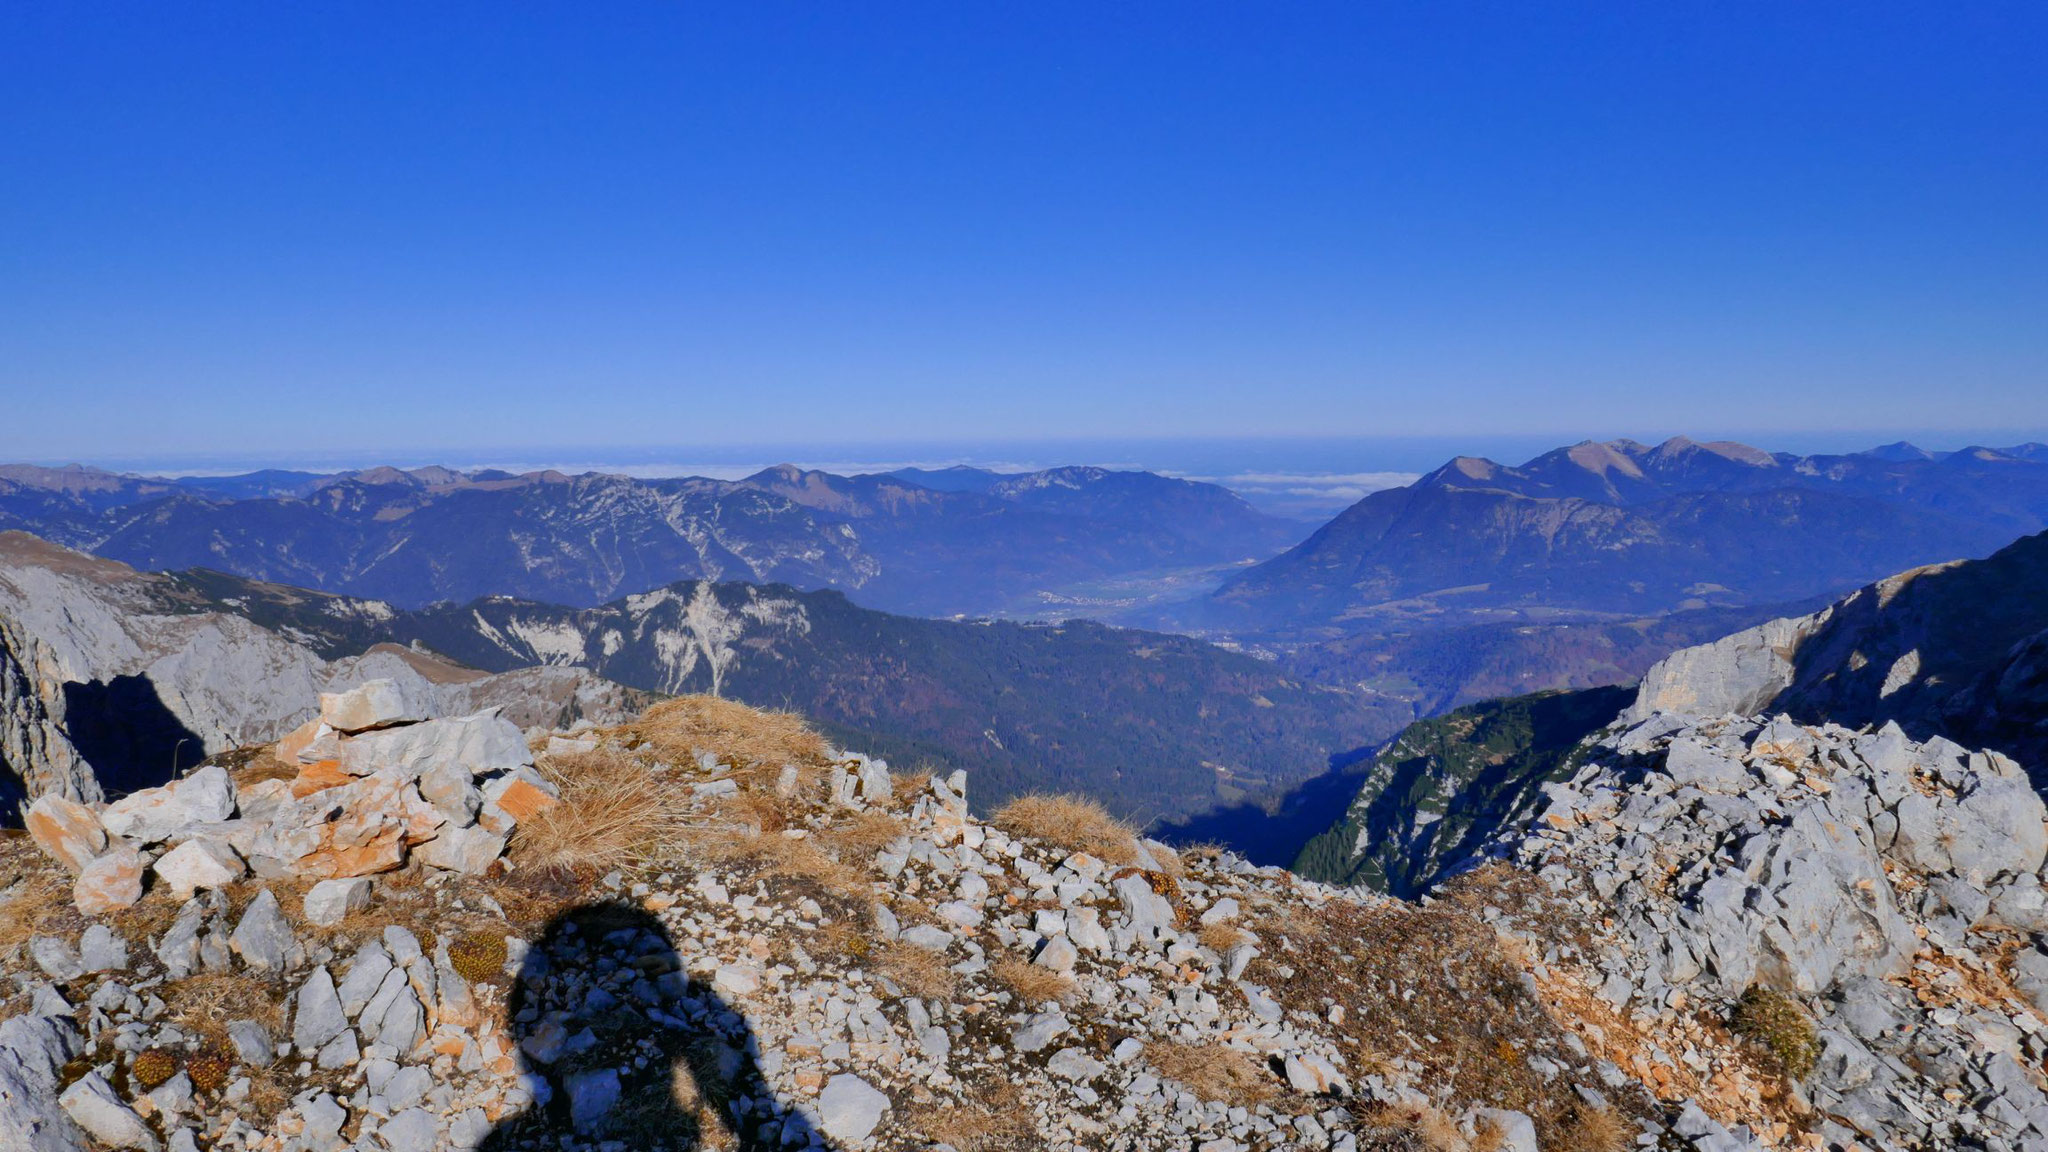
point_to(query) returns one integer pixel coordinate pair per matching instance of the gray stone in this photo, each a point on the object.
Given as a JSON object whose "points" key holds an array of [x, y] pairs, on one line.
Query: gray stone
{"points": [[154, 815], [201, 862], [1510, 1131], [252, 1042], [413, 1130], [101, 949], [850, 1108], [324, 1118], [34, 1047], [264, 939], [1075, 1064], [592, 1095], [1038, 1031], [484, 743], [372, 704], [58, 959], [319, 1017], [91, 1103], [331, 901]]}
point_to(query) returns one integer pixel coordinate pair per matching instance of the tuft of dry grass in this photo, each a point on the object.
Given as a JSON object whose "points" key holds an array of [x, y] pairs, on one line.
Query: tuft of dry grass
{"points": [[1590, 1129], [856, 841], [1075, 823], [1221, 936], [1213, 1071], [747, 737], [918, 971], [206, 1002], [1032, 984], [615, 812], [39, 904], [991, 1116]]}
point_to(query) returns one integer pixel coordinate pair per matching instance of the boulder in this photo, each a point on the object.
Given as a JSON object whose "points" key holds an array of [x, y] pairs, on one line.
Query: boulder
{"points": [[154, 815], [331, 901], [101, 949], [91, 1102], [67, 831], [373, 704], [202, 862], [263, 939], [320, 1017], [112, 881], [34, 1047], [470, 850], [850, 1108], [483, 743]]}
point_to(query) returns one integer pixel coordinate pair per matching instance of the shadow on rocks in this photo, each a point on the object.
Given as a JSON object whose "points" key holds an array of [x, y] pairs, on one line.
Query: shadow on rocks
{"points": [[619, 1045]]}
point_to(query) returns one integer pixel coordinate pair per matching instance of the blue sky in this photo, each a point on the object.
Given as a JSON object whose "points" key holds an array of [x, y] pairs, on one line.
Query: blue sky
{"points": [[277, 228]]}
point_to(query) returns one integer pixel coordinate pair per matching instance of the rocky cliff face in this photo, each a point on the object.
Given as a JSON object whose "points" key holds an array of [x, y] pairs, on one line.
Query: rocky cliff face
{"points": [[1887, 892], [110, 680], [1953, 649]]}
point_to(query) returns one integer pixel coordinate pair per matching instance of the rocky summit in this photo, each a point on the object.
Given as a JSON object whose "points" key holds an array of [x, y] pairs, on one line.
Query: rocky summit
{"points": [[708, 928]]}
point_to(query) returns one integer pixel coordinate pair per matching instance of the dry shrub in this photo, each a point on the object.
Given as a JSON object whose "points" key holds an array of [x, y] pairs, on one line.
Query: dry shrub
{"points": [[1221, 937], [1773, 1023], [1032, 983], [615, 812], [991, 1116], [1591, 1129], [205, 1003], [747, 737], [856, 841], [920, 972], [1074, 823], [39, 905], [1213, 1071], [774, 854]]}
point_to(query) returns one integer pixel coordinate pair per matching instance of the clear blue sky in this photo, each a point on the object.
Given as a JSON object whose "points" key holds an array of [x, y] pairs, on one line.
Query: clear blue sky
{"points": [[271, 226]]}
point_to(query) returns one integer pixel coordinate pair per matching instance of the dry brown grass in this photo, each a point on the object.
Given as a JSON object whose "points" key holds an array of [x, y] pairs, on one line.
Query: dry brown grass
{"points": [[1033, 984], [38, 902], [1221, 937], [856, 841], [918, 971], [992, 1116], [747, 737], [1213, 1071], [1074, 823], [206, 1002], [1590, 1129], [615, 812]]}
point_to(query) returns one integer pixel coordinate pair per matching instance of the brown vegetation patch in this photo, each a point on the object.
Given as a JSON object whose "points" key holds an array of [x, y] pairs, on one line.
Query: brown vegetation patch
{"points": [[918, 971], [1033, 984], [991, 1116], [615, 812], [747, 737], [1074, 823], [206, 1002], [1213, 1071]]}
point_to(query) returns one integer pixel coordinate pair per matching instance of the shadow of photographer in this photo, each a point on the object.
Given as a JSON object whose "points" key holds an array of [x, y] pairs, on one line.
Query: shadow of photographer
{"points": [[620, 1045]]}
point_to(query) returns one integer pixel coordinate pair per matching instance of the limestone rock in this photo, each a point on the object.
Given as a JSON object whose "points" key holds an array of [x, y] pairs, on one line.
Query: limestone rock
{"points": [[372, 704], [331, 901], [112, 881], [263, 939], [67, 831], [202, 862], [92, 1103], [154, 815], [850, 1108]]}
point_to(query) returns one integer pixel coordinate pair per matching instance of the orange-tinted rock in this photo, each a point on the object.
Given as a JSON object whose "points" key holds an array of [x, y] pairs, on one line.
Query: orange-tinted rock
{"points": [[66, 830], [298, 740], [109, 883], [521, 800], [319, 775]]}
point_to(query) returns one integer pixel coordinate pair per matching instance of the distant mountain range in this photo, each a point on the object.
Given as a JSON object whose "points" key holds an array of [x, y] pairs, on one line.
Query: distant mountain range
{"points": [[953, 542], [1619, 529]]}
